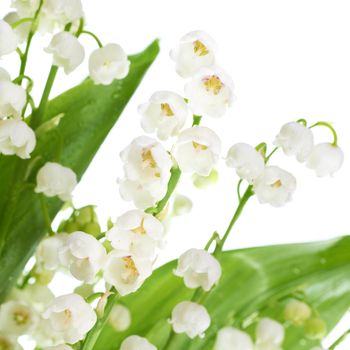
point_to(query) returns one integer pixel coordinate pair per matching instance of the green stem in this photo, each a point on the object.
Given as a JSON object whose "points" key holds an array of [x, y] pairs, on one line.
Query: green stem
{"points": [[99, 43], [262, 148], [330, 127], [21, 21], [339, 340], [302, 121], [46, 214], [239, 189], [215, 237], [270, 155], [93, 297]]}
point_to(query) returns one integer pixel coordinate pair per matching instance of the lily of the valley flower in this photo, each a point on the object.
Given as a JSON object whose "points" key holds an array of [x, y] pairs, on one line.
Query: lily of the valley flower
{"points": [[247, 161], [275, 186], [16, 137], [325, 159], [54, 179], [295, 140], [125, 273], [120, 318], [67, 52], [209, 93], [199, 269], [83, 254], [190, 318], [70, 316], [197, 150], [195, 51], [108, 63], [136, 234], [269, 334], [8, 39], [12, 99], [25, 8], [165, 113], [9, 342], [230, 338], [134, 342], [21, 30]]}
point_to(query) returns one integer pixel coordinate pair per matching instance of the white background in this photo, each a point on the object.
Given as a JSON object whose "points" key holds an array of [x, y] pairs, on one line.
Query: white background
{"points": [[288, 59]]}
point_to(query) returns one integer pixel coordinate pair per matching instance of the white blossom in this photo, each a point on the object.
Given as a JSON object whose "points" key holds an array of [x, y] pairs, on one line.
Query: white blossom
{"points": [[17, 318], [70, 316], [197, 150], [295, 140], [12, 99], [108, 63], [54, 179], [67, 52], [59, 347], [275, 186], [120, 318], [8, 39], [38, 296], [195, 51], [269, 331], [247, 161], [21, 30], [209, 93], [230, 338], [8, 342], [4, 74], [83, 254], [45, 336], [165, 113], [25, 8], [325, 159], [137, 234], [125, 273], [190, 318], [134, 342], [199, 269], [16, 137]]}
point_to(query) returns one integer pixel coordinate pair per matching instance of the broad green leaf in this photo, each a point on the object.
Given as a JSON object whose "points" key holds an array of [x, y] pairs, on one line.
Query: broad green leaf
{"points": [[89, 112], [255, 279]]}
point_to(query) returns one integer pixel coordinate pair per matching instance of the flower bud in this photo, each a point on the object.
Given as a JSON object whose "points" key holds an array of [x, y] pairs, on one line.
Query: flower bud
{"points": [[297, 312], [134, 342], [182, 205], [84, 290], [120, 318], [315, 328], [202, 182]]}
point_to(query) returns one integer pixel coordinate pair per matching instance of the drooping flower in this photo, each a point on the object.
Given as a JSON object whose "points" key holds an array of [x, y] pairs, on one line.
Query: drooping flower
{"points": [[165, 113], [209, 93], [190, 318], [325, 159], [134, 342], [120, 318], [275, 186], [67, 52], [247, 161], [297, 312], [295, 140], [197, 150], [70, 316], [22, 30], [229, 338], [12, 99], [137, 234], [108, 63], [83, 255], [195, 51], [8, 39], [269, 333], [54, 179], [125, 273], [25, 8], [16, 137], [198, 269]]}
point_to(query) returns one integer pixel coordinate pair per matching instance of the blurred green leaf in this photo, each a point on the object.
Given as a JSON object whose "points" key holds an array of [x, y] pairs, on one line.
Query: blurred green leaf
{"points": [[253, 279], [89, 112]]}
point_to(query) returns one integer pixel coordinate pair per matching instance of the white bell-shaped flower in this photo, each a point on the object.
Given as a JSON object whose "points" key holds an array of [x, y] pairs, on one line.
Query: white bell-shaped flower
{"points": [[198, 269], [71, 316], [136, 233], [83, 255], [247, 161], [197, 150], [17, 318], [8, 39], [16, 137], [4, 74], [190, 318], [125, 273], [59, 347], [209, 93], [295, 140], [9, 342], [67, 52], [230, 338], [54, 179], [269, 331], [108, 63], [325, 159], [12, 99], [120, 318], [195, 51], [275, 186], [21, 30], [165, 113], [134, 342], [25, 8]]}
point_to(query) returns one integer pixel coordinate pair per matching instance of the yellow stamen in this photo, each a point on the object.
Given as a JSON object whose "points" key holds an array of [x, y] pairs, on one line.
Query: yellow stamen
{"points": [[130, 266], [213, 84], [21, 317], [140, 230], [166, 110], [198, 146], [148, 159], [277, 184], [5, 344], [199, 48]]}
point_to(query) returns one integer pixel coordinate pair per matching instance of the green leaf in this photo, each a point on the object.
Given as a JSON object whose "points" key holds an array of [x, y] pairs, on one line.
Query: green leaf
{"points": [[89, 112], [255, 279]]}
